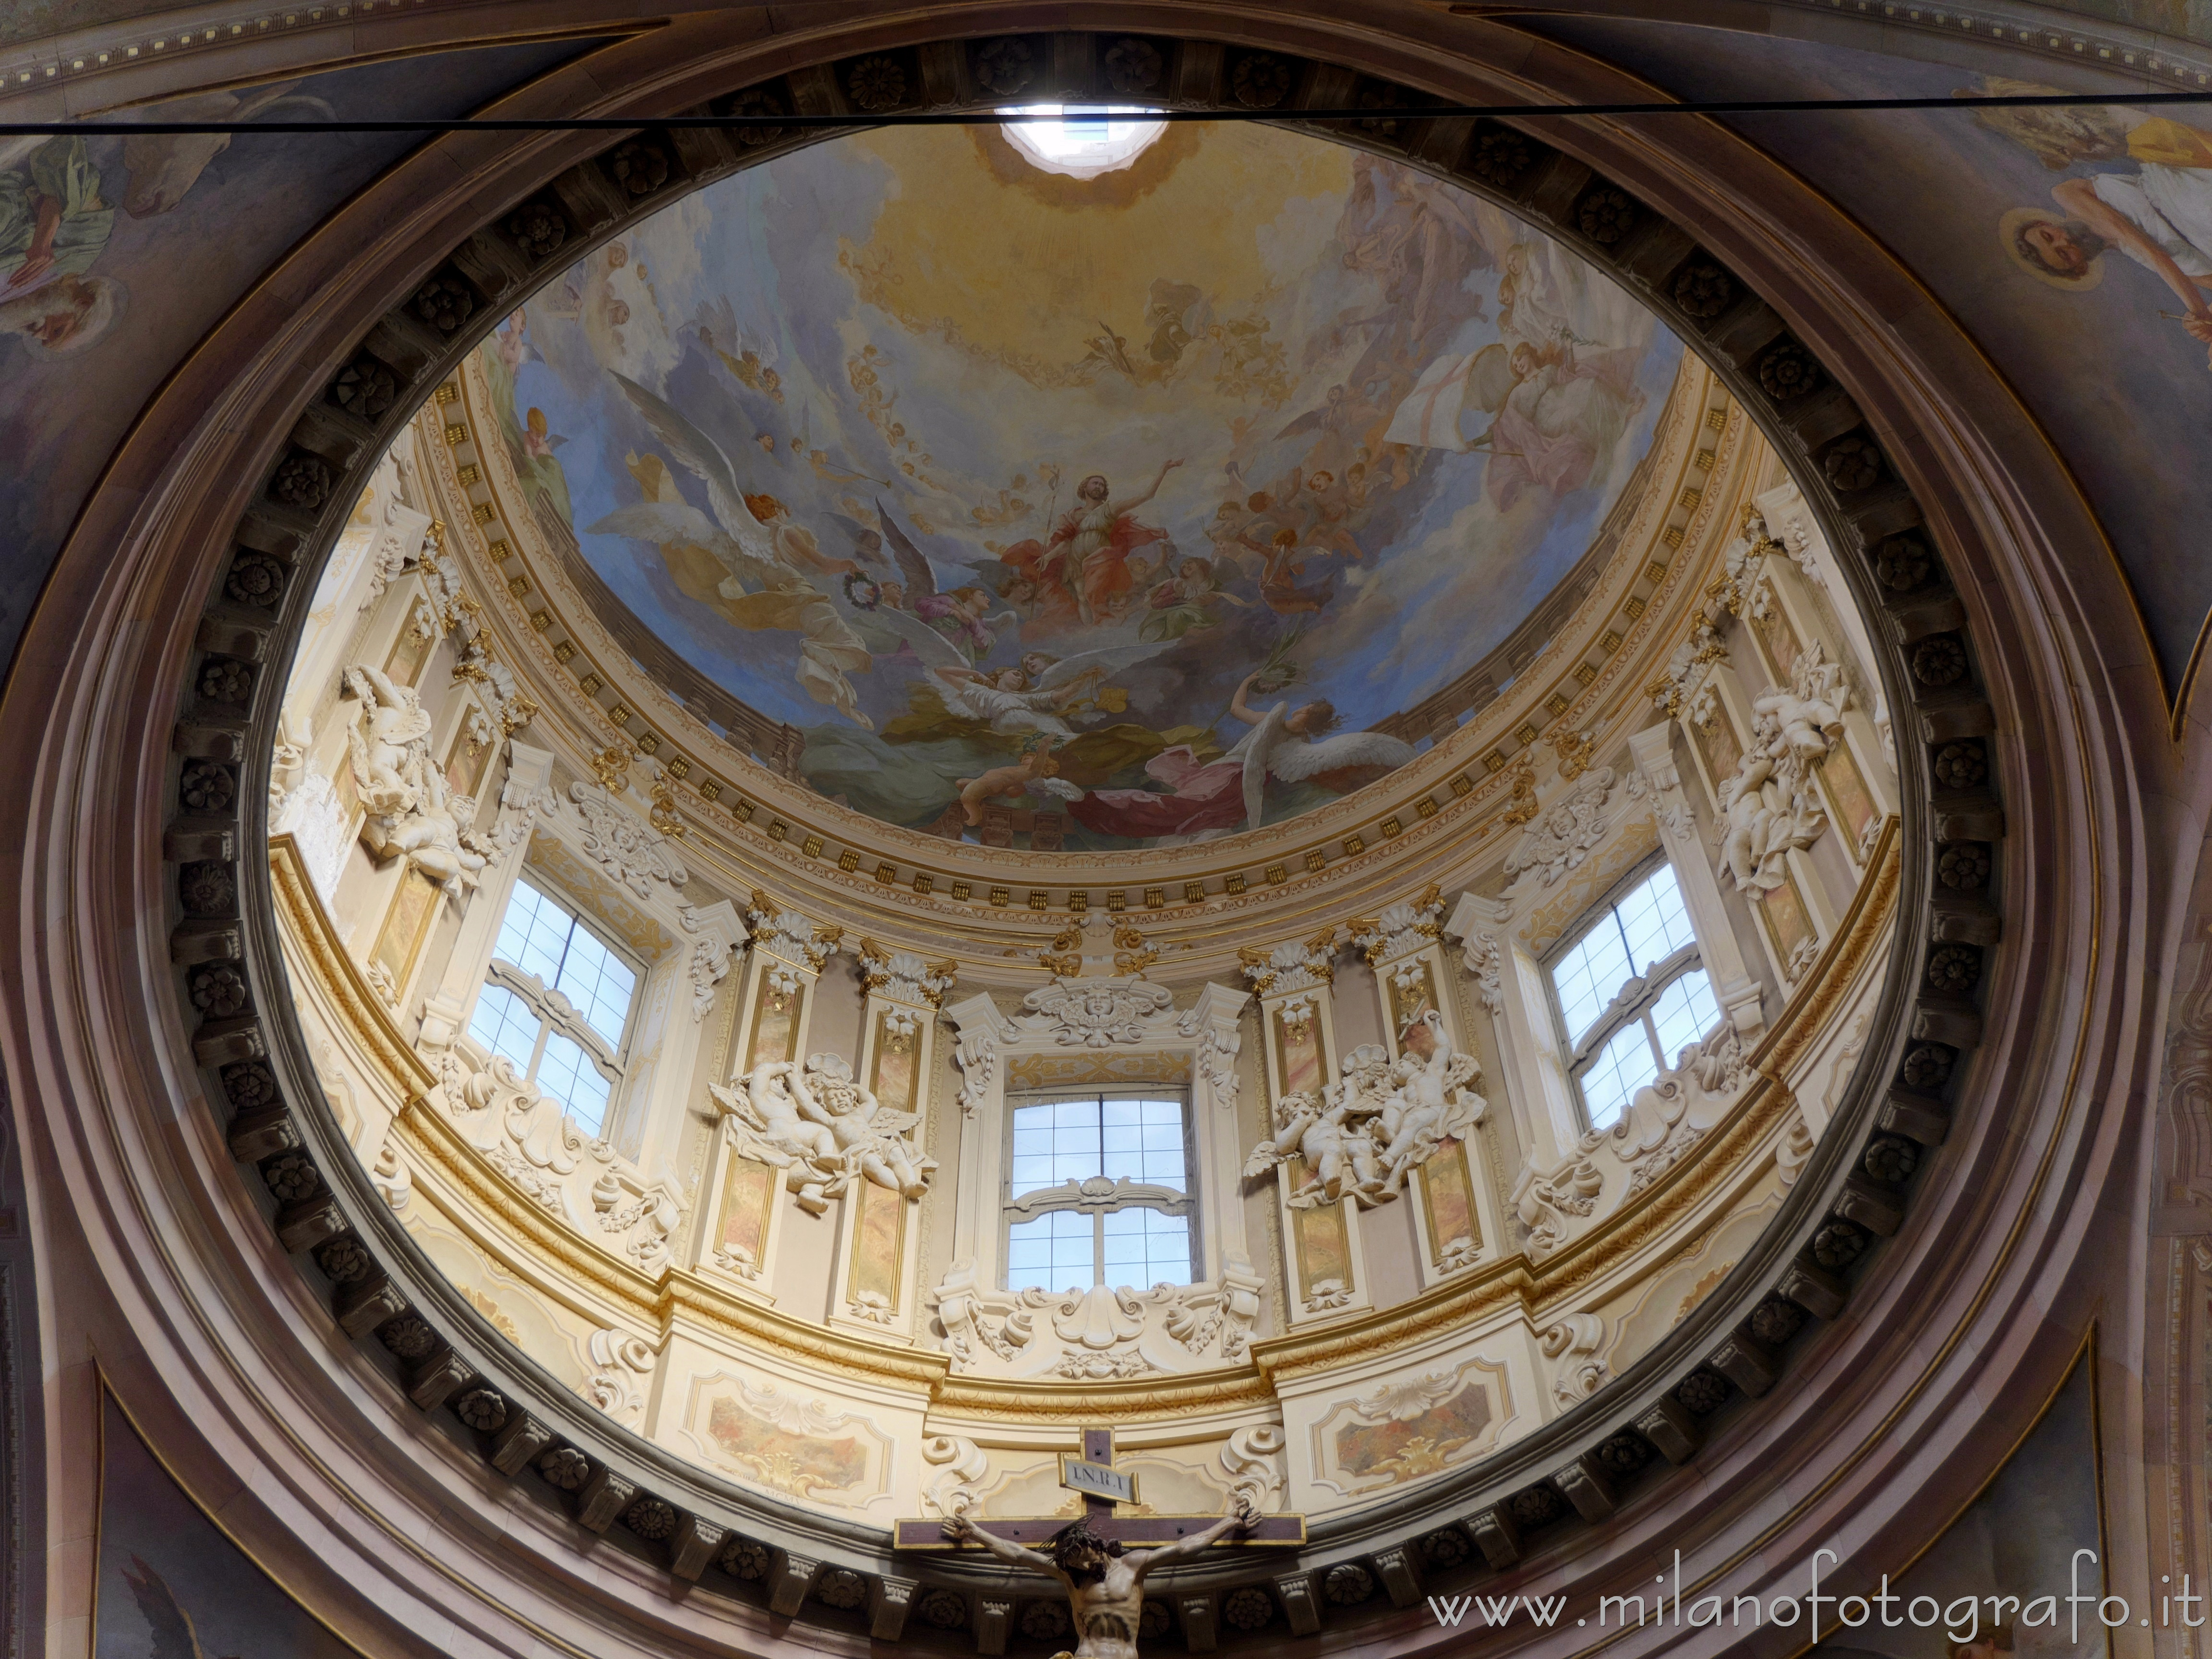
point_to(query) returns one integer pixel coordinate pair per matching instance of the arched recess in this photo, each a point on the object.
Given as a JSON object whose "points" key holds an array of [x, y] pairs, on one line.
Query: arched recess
{"points": [[404, 1534]]}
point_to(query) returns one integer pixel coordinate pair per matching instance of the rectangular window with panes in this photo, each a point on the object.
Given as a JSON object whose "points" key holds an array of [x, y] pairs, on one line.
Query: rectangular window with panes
{"points": [[1098, 1192], [1630, 992], [557, 1002]]}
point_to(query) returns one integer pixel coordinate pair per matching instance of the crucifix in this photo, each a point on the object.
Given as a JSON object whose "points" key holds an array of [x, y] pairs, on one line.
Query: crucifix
{"points": [[1092, 1475], [1092, 1555]]}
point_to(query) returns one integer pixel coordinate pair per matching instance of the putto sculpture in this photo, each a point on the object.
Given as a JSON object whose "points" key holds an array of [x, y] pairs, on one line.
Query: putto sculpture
{"points": [[409, 812], [1771, 806], [1359, 1135], [824, 1128]]}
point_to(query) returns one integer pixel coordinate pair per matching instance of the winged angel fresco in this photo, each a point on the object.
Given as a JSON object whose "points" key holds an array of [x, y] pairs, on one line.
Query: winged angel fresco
{"points": [[1289, 744], [768, 565]]}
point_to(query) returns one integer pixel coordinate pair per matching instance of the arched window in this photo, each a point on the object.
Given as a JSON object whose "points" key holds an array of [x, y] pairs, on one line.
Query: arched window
{"points": [[556, 1001], [1631, 993], [1098, 1193]]}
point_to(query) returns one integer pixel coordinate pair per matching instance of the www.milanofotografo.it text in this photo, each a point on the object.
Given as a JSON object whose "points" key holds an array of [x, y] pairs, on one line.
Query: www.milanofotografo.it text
{"points": [[1963, 1618]]}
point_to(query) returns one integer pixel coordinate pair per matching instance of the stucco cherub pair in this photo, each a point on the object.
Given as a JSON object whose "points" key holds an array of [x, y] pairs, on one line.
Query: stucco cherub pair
{"points": [[1771, 805], [410, 812], [824, 1128], [1360, 1134]]}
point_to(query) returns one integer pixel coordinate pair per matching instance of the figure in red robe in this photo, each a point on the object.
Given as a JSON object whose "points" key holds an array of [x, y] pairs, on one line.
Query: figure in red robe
{"points": [[1083, 572]]}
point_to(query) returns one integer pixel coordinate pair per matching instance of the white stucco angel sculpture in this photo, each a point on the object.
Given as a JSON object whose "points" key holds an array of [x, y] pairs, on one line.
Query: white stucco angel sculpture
{"points": [[1808, 711], [409, 812], [824, 1129], [871, 1141], [1378, 1120], [1429, 1102], [1316, 1126], [769, 1125]]}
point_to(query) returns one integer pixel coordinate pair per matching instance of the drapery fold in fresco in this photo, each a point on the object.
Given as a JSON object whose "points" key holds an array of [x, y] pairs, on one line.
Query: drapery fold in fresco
{"points": [[1137, 500]]}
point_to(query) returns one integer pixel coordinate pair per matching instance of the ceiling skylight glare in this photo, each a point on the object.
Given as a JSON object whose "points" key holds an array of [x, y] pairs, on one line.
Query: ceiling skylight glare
{"points": [[1082, 141]]}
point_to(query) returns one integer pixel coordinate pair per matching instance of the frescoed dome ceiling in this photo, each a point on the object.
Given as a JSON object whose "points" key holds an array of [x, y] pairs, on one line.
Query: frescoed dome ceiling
{"points": [[1147, 500]]}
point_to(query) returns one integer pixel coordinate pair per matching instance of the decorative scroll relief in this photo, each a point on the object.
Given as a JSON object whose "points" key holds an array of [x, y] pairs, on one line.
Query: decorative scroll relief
{"points": [[621, 1375], [1671, 1115], [1772, 807], [1549, 1205], [1217, 1047], [1363, 1132], [521, 806], [1252, 1458], [1562, 836], [961, 1467], [1102, 1333], [410, 815], [976, 1054], [716, 933], [823, 1128], [531, 1141], [1573, 1344], [1098, 1014], [1482, 954], [634, 854]]}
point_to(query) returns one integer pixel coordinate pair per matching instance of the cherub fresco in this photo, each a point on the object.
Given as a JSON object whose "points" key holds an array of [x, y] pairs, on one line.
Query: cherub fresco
{"points": [[1036, 771], [1211, 799], [767, 566], [1190, 599]]}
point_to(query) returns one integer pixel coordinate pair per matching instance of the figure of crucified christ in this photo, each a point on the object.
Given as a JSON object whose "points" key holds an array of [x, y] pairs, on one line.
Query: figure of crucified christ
{"points": [[1105, 1585]]}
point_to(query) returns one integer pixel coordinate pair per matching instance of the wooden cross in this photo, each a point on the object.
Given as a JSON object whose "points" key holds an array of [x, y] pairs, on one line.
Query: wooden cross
{"points": [[1092, 1475]]}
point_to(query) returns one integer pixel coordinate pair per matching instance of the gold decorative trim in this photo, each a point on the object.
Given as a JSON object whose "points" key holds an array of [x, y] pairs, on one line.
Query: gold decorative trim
{"points": [[431, 1136], [299, 911], [850, 1357], [1187, 1394]]}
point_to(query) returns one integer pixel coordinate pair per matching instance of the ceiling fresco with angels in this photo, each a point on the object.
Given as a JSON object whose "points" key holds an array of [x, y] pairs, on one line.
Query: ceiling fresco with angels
{"points": [[1133, 501]]}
